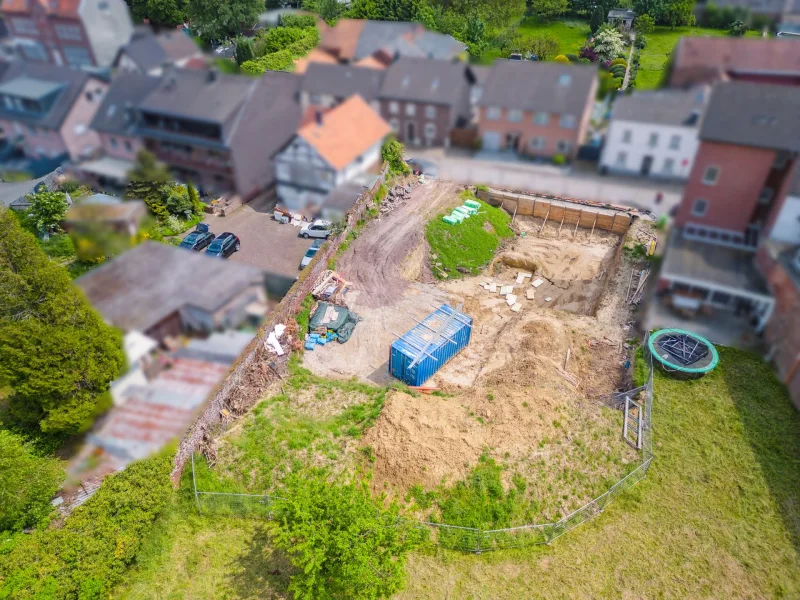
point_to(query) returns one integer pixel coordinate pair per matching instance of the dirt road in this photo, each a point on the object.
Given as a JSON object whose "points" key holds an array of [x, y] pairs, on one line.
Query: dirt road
{"points": [[377, 261]]}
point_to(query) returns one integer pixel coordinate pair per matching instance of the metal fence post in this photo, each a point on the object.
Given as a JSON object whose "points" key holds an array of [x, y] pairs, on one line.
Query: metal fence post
{"points": [[194, 485]]}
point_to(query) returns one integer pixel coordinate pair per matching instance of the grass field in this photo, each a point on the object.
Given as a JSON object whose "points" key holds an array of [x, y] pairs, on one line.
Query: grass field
{"points": [[718, 516], [660, 44], [468, 246]]}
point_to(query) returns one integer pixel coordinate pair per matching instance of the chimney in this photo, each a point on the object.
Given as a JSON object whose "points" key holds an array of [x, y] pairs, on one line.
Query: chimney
{"points": [[318, 117]]}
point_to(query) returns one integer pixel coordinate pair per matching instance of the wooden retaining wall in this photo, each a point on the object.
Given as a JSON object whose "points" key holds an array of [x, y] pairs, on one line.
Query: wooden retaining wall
{"points": [[588, 216]]}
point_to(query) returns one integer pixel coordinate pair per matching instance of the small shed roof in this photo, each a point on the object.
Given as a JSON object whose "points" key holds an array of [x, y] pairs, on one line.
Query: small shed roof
{"points": [[621, 13]]}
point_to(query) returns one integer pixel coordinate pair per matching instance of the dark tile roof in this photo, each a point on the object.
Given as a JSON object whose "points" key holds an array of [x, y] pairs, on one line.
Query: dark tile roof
{"points": [[151, 51], [133, 291], [533, 85], [269, 118], [426, 80], [72, 80], [126, 92], [663, 107], [379, 34], [342, 81], [753, 114], [201, 95]]}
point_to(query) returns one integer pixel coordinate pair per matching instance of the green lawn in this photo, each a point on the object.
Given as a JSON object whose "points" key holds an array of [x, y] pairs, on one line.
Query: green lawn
{"points": [[659, 46], [571, 34], [718, 516]]}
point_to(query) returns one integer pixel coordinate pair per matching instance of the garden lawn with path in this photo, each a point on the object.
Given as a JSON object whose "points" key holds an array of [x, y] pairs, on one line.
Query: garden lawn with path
{"points": [[660, 44], [571, 34]]}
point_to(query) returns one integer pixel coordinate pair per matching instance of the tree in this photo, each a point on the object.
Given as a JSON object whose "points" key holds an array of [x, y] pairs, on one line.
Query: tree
{"points": [[547, 9], [56, 353], [737, 28], [329, 10], [219, 20], [27, 483], [342, 542], [644, 24], [542, 47], [425, 16], [244, 49], [678, 12], [146, 177], [653, 8], [168, 13], [363, 9], [597, 19], [48, 209], [392, 153], [608, 43]]}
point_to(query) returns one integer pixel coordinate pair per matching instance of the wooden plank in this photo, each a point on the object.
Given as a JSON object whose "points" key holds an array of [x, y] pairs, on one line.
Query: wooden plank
{"points": [[545, 219], [562, 224], [593, 224], [578, 222]]}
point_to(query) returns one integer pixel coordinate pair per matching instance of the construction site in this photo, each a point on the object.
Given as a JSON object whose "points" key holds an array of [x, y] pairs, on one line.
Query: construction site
{"points": [[551, 326]]}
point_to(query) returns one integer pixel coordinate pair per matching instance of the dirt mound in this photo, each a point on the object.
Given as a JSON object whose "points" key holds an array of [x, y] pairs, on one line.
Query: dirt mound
{"points": [[423, 440]]}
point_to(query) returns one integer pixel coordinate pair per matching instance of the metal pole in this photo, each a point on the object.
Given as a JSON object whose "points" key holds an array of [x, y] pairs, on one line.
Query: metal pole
{"points": [[194, 485]]}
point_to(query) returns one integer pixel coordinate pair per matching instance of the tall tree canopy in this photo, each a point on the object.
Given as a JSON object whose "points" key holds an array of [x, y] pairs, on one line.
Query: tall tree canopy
{"points": [[56, 353], [159, 12], [217, 20], [27, 483]]}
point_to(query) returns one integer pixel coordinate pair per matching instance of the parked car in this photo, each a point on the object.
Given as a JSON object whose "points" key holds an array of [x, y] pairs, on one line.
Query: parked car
{"points": [[317, 229], [420, 166], [311, 253], [200, 238], [225, 245]]}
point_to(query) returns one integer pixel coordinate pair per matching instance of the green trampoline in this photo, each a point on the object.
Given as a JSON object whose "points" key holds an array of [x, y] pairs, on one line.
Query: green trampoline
{"points": [[683, 351]]}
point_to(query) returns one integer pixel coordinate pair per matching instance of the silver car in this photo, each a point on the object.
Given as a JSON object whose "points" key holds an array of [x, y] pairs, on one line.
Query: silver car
{"points": [[311, 253], [317, 229]]}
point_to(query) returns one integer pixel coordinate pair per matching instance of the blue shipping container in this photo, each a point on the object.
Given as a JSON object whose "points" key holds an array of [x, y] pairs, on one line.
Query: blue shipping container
{"points": [[438, 349]]}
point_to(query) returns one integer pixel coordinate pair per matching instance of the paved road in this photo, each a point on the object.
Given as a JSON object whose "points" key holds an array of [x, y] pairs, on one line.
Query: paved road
{"points": [[579, 182]]}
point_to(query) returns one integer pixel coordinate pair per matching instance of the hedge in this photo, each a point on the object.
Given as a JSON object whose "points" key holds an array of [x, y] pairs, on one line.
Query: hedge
{"points": [[86, 557]]}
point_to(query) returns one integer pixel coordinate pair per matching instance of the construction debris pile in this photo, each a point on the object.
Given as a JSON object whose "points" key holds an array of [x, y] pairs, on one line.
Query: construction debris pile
{"points": [[634, 294], [395, 197], [507, 291], [330, 287], [330, 318]]}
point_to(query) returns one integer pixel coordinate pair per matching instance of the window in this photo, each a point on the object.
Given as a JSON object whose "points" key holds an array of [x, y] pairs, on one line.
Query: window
{"points": [[315, 99], [711, 175], [9, 102], [622, 158], [128, 146], [79, 129], [537, 143], [113, 142], [25, 26], [627, 136], [430, 111], [563, 147], [564, 79], [765, 197], [669, 165], [89, 96], [541, 118], [514, 115], [493, 113], [68, 32], [568, 122], [430, 130], [675, 142], [376, 106], [411, 109], [34, 52], [77, 57], [394, 108], [394, 124], [653, 141], [700, 207]]}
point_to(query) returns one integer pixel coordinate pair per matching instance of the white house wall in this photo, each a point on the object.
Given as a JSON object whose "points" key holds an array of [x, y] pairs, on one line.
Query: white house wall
{"points": [[639, 147], [787, 225]]}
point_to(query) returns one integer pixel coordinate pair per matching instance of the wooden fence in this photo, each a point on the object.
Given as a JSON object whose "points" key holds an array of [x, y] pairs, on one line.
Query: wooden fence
{"points": [[560, 210]]}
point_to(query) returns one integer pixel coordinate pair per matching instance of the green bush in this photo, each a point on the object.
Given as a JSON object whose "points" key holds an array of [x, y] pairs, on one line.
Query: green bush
{"points": [[572, 57], [641, 42], [561, 58], [559, 159], [392, 153], [619, 61], [86, 557], [301, 21]]}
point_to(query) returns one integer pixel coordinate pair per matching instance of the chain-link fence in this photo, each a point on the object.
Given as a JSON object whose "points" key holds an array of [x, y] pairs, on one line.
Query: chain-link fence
{"points": [[470, 539]]}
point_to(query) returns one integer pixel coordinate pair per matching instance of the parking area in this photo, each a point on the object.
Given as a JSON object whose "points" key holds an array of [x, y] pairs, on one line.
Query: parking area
{"points": [[266, 243]]}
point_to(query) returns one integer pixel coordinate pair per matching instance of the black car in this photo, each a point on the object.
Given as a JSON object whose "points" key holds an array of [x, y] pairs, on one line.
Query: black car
{"points": [[225, 245], [198, 239]]}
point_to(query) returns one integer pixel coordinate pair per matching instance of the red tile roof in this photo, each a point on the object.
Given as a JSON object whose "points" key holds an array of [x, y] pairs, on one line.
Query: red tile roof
{"points": [[61, 8]]}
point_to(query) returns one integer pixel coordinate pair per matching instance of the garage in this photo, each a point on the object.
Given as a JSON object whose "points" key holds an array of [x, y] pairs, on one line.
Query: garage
{"points": [[491, 140]]}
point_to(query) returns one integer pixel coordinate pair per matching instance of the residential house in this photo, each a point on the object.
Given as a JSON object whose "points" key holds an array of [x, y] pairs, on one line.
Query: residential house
{"points": [[335, 147], [115, 214], [161, 290], [220, 131], [696, 60], [622, 18], [779, 261], [15, 195], [45, 112], [78, 33], [540, 109], [147, 53], [739, 193], [115, 124], [654, 134], [424, 99], [326, 85], [355, 40]]}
